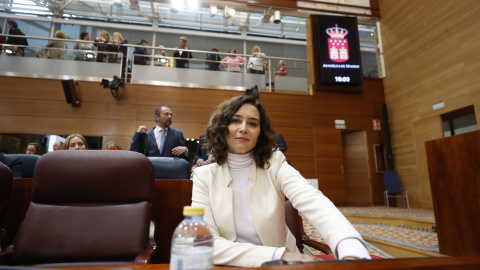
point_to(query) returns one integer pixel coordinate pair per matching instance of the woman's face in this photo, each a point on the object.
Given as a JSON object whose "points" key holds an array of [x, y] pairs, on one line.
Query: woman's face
{"points": [[76, 143], [86, 37], [255, 49], [232, 51], [105, 36], [243, 130], [31, 150]]}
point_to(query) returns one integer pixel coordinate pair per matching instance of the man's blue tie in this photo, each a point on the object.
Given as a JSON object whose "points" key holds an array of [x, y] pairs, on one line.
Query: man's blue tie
{"points": [[162, 141]]}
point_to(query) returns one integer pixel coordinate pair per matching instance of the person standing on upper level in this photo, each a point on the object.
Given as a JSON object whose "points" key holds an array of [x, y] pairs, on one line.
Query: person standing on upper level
{"points": [[13, 30], [81, 47], [182, 53], [255, 63]]}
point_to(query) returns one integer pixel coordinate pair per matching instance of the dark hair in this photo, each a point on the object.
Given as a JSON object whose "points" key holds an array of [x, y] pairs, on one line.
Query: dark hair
{"points": [[158, 109], [217, 130], [234, 51], [13, 24], [215, 49], [37, 145], [83, 34], [144, 41]]}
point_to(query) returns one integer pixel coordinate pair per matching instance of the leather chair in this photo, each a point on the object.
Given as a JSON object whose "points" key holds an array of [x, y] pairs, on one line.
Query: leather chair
{"points": [[88, 208], [295, 225], [6, 179], [28, 163], [170, 168]]}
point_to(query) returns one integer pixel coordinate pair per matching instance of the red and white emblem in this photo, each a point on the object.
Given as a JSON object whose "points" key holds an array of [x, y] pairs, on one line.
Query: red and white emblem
{"points": [[337, 44]]}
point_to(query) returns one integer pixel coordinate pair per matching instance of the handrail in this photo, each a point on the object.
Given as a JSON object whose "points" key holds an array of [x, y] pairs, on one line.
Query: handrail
{"points": [[151, 47]]}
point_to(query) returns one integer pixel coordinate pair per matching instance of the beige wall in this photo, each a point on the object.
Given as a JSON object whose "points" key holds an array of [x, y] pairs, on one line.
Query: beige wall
{"points": [[431, 51]]}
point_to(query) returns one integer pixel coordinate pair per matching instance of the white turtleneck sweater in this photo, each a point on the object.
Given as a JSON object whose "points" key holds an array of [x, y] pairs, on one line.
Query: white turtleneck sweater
{"points": [[239, 167]]}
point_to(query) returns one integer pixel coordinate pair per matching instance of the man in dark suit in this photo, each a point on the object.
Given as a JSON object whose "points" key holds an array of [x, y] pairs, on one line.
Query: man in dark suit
{"points": [[141, 54], [282, 145], [181, 53], [201, 154], [162, 140], [213, 60]]}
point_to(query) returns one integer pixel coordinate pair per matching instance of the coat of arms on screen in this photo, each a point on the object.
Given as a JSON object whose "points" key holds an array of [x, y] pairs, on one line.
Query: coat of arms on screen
{"points": [[337, 44]]}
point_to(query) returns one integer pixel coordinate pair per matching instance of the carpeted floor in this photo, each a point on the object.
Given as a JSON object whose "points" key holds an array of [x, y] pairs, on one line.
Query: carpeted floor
{"points": [[389, 211], [412, 238]]}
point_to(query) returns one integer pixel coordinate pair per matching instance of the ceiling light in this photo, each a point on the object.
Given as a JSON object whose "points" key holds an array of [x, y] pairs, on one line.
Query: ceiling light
{"points": [[192, 4], [267, 14], [277, 18], [213, 10], [228, 12], [176, 6], [266, 17]]}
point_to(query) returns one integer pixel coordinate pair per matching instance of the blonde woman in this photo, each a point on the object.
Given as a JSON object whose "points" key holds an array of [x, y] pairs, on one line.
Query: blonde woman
{"points": [[255, 63], [119, 40], [75, 142], [101, 43], [59, 45]]}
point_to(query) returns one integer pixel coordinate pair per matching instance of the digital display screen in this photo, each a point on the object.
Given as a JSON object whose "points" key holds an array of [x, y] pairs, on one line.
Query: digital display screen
{"points": [[339, 51]]}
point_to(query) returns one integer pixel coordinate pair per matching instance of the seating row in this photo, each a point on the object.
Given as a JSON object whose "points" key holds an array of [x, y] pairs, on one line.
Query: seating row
{"points": [[165, 167], [94, 207]]}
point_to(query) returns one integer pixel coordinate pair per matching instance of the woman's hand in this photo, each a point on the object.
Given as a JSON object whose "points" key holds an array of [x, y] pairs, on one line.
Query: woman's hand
{"points": [[291, 256]]}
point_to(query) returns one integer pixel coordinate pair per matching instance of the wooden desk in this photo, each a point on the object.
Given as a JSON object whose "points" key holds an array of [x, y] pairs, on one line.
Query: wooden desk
{"points": [[420, 263]]}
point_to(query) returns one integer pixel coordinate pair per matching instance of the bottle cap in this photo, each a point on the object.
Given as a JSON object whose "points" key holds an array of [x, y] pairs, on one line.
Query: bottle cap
{"points": [[192, 211]]}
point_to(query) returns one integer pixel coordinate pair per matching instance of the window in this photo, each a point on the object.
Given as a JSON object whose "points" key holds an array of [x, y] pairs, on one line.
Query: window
{"points": [[459, 121]]}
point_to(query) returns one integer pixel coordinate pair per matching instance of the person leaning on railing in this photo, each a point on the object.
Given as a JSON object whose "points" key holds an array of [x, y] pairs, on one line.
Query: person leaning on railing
{"points": [[13, 30], [102, 43], [55, 45], [2, 39], [82, 46], [233, 62], [255, 63], [283, 68]]}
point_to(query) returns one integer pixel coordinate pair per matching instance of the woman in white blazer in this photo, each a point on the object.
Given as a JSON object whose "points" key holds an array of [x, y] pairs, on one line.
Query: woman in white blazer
{"points": [[244, 192]]}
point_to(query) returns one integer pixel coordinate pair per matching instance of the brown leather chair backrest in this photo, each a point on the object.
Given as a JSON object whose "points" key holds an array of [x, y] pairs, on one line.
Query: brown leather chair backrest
{"points": [[6, 178], [294, 223], [88, 207]]}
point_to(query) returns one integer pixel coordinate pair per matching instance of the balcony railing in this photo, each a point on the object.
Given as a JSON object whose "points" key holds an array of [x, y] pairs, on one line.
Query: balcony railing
{"points": [[153, 69]]}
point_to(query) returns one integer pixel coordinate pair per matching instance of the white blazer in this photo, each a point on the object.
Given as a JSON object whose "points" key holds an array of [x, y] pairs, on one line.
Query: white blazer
{"points": [[267, 204]]}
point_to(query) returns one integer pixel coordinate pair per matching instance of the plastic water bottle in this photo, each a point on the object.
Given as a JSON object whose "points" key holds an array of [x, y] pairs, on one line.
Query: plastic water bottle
{"points": [[192, 242]]}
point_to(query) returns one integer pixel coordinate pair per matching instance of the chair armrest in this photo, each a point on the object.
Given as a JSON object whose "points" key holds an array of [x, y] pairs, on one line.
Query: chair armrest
{"points": [[6, 256], [144, 257], [318, 246]]}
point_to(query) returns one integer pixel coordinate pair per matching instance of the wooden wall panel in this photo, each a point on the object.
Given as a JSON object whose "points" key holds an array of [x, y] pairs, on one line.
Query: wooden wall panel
{"points": [[431, 55], [305, 121], [37, 106]]}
